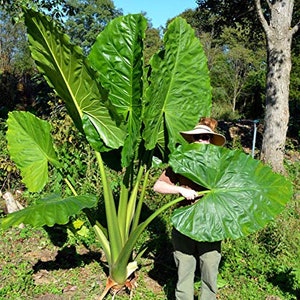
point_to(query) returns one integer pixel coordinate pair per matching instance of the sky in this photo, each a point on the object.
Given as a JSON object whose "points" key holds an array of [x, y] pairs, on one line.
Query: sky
{"points": [[158, 11]]}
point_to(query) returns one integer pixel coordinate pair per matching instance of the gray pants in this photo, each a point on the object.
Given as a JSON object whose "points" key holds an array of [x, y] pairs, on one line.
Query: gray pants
{"points": [[186, 254]]}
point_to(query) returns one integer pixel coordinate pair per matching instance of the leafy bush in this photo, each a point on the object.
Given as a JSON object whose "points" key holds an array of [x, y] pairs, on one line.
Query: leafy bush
{"points": [[266, 263], [9, 174]]}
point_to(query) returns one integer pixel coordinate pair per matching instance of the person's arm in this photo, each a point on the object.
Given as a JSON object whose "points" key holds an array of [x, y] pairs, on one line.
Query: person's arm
{"points": [[167, 188]]}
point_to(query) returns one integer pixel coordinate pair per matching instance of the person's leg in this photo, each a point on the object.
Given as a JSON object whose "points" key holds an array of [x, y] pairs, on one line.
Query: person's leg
{"points": [[210, 257], [186, 266], [185, 261]]}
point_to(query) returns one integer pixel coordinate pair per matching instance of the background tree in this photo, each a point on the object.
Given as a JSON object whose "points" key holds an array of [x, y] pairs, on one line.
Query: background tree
{"points": [[206, 29], [226, 13], [236, 59], [277, 24], [294, 127], [20, 83], [276, 17], [52, 7], [152, 43], [235, 63], [86, 19], [16, 66]]}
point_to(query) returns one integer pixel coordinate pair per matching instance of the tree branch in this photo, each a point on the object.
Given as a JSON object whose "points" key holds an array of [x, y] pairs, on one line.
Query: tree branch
{"points": [[269, 4], [295, 28], [261, 15]]}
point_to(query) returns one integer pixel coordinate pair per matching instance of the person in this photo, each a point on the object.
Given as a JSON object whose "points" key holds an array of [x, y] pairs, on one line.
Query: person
{"points": [[188, 252]]}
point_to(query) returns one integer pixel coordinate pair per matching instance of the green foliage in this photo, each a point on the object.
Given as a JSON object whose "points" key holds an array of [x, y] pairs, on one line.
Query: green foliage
{"points": [[108, 104], [153, 44], [236, 66], [8, 170], [60, 210], [32, 159], [73, 80], [79, 165], [266, 262], [12, 35], [216, 15], [116, 107], [16, 65], [236, 57], [21, 276], [294, 125], [176, 90], [124, 95], [231, 179], [15, 7], [88, 18]]}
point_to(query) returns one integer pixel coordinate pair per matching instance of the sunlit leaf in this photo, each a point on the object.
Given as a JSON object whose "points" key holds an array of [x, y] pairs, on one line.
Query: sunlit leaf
{"points": [[65, 70], [50, 211], [117, 55], [30, 147], [180, 91], [243, 194]]}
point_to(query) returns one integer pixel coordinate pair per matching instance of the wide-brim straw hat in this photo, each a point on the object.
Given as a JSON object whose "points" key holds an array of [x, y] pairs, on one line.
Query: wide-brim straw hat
{"points": [[216, 139]]}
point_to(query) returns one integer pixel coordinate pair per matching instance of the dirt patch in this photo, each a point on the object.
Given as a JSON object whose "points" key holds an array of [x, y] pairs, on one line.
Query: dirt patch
{"points": [[29, 261]]}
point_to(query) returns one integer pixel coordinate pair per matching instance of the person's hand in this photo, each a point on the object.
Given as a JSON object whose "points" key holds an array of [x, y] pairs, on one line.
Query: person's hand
{"points": [[188, 194]]}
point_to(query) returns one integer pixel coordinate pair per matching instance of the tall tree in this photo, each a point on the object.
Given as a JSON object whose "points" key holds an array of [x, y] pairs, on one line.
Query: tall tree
{"points": [[86, 19], [277, 24], [16, 66], [236, 63], [280, 22], [236, 56], [153, 43], [52, 7]]}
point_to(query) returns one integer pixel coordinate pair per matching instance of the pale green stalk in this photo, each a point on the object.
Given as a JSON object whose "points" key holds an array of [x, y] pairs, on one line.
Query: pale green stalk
{"points": [[122, 209], [125, 254], [114, 234], [124, 257], [138, 210], [104, 243], [132, 201]]}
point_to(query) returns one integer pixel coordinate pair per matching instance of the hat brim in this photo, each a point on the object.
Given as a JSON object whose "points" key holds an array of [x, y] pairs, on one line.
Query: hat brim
{"points": [[216, 139]]}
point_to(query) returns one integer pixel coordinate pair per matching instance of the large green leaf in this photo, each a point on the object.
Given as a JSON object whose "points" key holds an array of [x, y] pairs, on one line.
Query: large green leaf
{"points": [[117, 55], [30, 147], [49, 211], [65, 70], [243, 194], [180, 91]]}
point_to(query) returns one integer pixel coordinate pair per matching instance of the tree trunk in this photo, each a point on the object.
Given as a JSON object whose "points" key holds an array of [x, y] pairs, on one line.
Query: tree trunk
{"points": [[279, 39], [277, 104]]}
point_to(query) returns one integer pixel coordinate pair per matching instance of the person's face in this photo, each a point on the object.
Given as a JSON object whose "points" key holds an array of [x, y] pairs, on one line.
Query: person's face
{"points": [[202, 138]]}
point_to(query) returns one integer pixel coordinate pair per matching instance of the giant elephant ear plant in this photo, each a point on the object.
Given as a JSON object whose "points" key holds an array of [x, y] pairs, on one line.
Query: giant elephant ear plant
{"points": [[121, 105], [118, 104]]}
